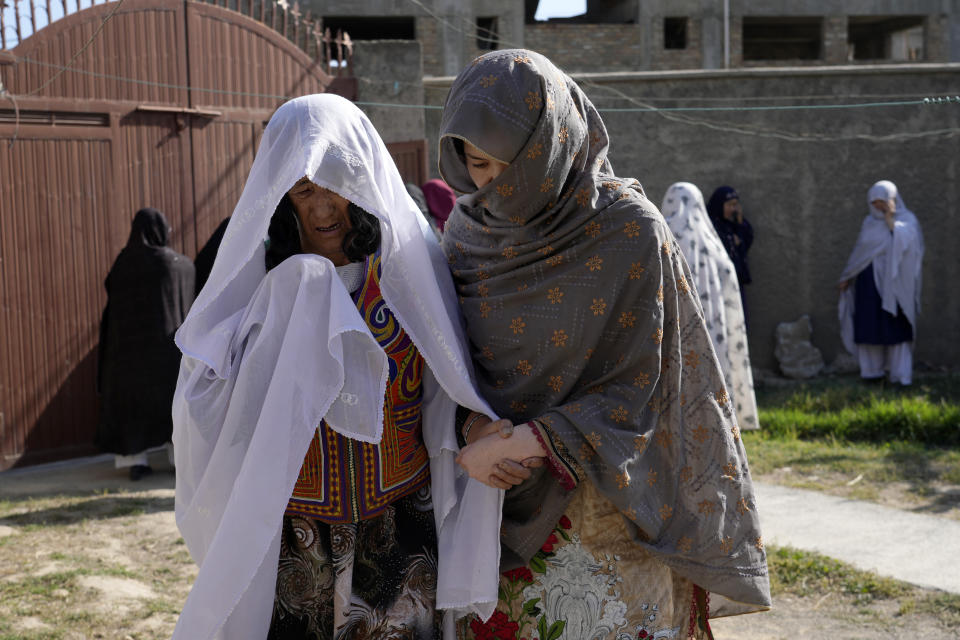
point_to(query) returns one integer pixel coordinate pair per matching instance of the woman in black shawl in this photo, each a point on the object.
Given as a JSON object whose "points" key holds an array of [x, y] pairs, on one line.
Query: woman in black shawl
{"points": [[726, 214], [149, 291]]}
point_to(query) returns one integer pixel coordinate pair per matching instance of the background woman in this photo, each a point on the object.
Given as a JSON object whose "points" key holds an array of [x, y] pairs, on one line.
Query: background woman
{"points": [[878, 313], [715, 281], [316, 481], [586, 331], [736, 233], [149, 291]]}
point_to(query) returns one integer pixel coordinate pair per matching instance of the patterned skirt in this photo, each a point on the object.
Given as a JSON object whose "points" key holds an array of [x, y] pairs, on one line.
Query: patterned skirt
{"points": [[590, 582], [371, 579]]}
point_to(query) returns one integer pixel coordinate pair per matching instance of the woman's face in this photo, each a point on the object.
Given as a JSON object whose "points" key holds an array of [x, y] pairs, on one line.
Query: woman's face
{"points": [[731, 208], [324, 220], [482, 168], [884, 206]]}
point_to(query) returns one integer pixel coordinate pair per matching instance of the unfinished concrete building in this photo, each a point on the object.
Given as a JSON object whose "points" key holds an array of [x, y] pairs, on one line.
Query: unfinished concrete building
{"points": [[635, 35]]}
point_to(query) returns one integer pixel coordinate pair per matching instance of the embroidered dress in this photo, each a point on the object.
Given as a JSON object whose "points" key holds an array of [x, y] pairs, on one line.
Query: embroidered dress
{"points": [[582, 317], [358, 551]]}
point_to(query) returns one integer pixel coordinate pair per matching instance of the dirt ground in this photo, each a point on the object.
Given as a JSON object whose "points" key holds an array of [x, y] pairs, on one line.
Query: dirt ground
{"points": [[97, 556]]}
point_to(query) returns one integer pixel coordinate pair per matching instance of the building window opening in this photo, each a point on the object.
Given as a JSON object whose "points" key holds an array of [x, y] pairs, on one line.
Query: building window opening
{"points": [[380, 28], [782, 38], [487, 33], [674, 33], [898, 38]]}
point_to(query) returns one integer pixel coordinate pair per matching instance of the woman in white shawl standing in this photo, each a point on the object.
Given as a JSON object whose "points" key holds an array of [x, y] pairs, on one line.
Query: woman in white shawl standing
{"points": [[716, 283], [269, 356], [880, 287]]}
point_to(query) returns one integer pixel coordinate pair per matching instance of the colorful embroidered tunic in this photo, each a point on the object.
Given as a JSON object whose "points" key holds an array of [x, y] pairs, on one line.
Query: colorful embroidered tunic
{"points": [[344, 480]]}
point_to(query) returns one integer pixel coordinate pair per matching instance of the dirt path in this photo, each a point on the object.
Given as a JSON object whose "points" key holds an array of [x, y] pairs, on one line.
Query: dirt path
{"points": [[110, 564]]}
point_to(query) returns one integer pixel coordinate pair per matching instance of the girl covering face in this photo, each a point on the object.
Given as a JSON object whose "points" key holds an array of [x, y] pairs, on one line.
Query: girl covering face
{"points": [[584, 323]]}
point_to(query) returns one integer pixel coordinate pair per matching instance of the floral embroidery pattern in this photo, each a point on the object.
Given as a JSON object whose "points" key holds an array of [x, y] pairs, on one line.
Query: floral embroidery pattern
{"points": [[735, 430], [701, 433], [595, 263], [666, 248], [660, 294], [545, 251], [483, 290], [488, 81], [505, 190], [758, 543], [627, 319], [593, 229], [623, 480], [632, 229], [484, 309], [521, 59], [664, 438], [533, 100], [563, 134], [619, 415], [691, 359], [640, 443], [665, 512], [524, 367], [555, 295], [594, 439], [555, 260], [559, 338], [684, 544], [546, 185], [535, 151], [722, 397], [517, 220], [641, 380], [706, 507], [742, 506], [598, 306], [726, 545], [658, 336], [586, 452], [518, 407], [487, 353], [509, 253], [517, 324], [686, 474], [651, 477], [583, 197], [730, 470], [682, 285], [556, 383]]}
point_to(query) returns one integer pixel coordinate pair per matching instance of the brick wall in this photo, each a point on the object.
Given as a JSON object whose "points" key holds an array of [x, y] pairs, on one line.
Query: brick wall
{"points": [[690, 57], [587, 47], [429, 37]]}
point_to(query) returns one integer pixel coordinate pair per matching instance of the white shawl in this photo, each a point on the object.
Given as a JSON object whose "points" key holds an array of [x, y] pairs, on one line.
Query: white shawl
{"points": [[266, 357], [896, 256], [716, 283]]}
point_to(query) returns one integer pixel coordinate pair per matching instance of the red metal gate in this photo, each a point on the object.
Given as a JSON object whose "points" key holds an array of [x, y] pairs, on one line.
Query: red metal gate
{"points": [[164, 108]]}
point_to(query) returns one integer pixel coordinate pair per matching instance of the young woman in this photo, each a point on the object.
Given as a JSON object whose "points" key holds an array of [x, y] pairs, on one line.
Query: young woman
{"points": [[323, 366], [586, 332]]}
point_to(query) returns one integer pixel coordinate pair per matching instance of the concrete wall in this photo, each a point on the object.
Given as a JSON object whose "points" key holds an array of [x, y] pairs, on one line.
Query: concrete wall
{"points": [[805, 199], [584, 47], [389, 71]]}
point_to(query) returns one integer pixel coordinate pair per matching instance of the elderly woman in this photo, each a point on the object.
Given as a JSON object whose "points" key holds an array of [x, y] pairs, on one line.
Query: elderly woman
{"points": [[715, 280], [880, 287], [323, 367], [586, 331]]}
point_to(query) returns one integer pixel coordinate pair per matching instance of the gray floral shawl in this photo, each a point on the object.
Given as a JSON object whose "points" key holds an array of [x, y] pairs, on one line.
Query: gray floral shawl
{"points": [[581, 313]]}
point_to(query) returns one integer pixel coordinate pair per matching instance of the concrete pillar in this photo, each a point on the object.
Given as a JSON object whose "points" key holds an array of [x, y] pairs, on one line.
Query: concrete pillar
{"points": [[455, 35], [953, 31], [835, 39]]}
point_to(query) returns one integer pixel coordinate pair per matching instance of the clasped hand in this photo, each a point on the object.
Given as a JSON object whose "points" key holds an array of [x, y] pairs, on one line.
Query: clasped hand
{"points": [[500, 454]]}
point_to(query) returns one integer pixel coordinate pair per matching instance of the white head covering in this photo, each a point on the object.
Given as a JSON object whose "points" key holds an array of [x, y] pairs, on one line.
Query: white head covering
{"points": [[896, 256], [716, 283], [268, 356]]}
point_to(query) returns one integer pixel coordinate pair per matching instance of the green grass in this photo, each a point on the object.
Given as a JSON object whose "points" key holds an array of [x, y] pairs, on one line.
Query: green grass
{"points": [[851, 410], [829, 432], [809, 574]]}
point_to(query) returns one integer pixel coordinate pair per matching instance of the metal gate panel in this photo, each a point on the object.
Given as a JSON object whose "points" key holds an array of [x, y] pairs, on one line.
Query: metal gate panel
{"points": [[144, 40], [223, 153], [273, 67], [53, 259]]}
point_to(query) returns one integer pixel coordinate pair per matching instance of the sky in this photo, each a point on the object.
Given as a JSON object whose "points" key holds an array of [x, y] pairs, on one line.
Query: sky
{"points": [[560, 8]]}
